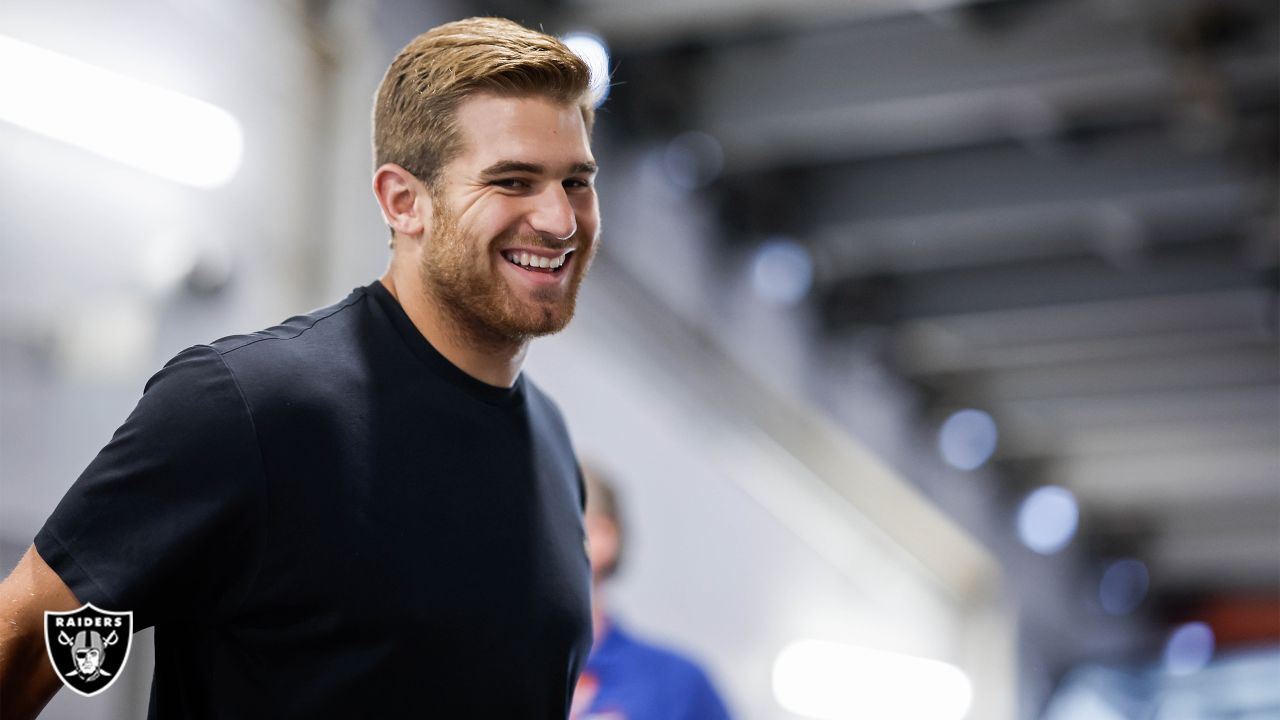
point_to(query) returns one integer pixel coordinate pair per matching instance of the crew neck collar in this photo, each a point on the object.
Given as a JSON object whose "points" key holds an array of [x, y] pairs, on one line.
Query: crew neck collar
{"points": [[439, 364]]}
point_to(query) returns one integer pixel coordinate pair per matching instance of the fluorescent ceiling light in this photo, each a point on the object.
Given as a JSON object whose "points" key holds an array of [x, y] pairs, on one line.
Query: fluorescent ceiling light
{"points": [[144, 126], [831, 680]]}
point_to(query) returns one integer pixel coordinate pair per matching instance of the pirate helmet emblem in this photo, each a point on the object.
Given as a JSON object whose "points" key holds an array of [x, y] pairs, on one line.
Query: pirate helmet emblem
{"points": [[88, 647]]}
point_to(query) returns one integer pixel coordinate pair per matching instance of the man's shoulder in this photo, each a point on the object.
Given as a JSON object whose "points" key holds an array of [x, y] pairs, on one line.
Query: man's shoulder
{"points": [[676, 676], [291, 337], [655, 655], [306, 356], [541, 402]]}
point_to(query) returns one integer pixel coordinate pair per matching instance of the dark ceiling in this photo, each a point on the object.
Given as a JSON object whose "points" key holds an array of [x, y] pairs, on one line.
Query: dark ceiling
{"points": [[1064, 213]]}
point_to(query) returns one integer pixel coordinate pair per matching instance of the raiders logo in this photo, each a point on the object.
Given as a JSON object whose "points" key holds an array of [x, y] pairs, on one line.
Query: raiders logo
{"points": [[88, 647]]}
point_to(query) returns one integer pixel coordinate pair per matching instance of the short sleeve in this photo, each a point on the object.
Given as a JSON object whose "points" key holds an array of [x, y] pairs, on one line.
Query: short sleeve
{"points": [[157, 522]]}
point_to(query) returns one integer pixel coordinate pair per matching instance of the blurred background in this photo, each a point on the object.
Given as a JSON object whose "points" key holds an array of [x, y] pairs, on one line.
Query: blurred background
{"points": [[932, 344]]}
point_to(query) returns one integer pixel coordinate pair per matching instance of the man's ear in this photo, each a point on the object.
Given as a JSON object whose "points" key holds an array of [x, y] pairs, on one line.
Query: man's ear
{"points": [[398, 192]]}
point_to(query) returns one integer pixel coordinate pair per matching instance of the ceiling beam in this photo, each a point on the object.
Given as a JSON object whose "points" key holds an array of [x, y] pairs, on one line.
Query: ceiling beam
{"points": [[1121, 328], [1142, 480], [1157, 372]]}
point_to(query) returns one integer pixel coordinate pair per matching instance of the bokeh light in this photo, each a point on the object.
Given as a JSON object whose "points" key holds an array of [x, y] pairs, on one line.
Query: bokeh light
{"points": [[782, 271], [1047, 519], [693, 159], [1189, 649], [593, 50], [967, 439], [1123, 586]]}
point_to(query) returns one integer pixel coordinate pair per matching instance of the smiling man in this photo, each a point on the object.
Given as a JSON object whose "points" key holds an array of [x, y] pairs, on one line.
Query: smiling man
{"points": [[366, 511], [512, 223]]}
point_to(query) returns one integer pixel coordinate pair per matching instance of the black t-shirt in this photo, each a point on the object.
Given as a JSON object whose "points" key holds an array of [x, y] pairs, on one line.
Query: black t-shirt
{"points": [[329, 519]]}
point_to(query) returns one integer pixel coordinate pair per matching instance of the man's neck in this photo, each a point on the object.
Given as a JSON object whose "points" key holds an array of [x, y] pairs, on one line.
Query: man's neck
{"points": [[490, 361]]}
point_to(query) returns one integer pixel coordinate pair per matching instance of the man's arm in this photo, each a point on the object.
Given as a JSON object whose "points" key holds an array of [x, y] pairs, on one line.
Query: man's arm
{"points": [[27, 680]]}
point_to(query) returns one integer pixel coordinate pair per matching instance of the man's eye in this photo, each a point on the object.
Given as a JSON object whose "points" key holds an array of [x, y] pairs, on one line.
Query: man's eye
{"points": [[511, 183], [575, 184]]}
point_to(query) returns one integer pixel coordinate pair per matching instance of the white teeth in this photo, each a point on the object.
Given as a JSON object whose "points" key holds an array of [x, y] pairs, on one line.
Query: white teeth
{"points": [[524, 259]]}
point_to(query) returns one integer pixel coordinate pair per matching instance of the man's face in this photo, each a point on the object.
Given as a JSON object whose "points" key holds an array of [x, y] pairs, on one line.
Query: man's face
{"points": [[602, 543], [87, 660], [518, 197]]}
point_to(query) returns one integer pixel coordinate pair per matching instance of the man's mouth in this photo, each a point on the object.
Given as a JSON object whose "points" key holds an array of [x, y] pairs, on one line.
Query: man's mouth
{"points": [[537, 263]]}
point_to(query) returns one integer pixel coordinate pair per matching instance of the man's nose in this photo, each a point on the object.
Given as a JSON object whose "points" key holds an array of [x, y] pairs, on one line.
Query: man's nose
{"points": [[553, 214]]}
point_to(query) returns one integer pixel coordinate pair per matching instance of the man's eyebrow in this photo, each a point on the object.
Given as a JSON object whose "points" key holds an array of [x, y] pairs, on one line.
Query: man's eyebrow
{"points": [[503, 167]]}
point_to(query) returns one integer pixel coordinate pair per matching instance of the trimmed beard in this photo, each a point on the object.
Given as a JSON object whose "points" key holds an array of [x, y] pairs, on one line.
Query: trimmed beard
{"points": [[457, 270]]}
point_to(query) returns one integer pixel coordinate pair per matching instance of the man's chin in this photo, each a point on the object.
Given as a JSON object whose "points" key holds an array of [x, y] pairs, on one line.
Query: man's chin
{"points": [[543, 321]]}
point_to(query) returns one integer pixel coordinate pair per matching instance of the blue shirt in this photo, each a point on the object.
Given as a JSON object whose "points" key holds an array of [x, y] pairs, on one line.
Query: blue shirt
{"points": [[633, 680]]}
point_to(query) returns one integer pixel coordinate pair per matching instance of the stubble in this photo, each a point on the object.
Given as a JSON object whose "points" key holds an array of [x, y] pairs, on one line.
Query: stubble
{"points": [[457, 270]]}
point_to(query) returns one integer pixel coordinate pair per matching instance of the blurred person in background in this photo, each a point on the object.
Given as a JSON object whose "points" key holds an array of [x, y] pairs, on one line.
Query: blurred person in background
{"points": [[366, 511], [627, 678]]}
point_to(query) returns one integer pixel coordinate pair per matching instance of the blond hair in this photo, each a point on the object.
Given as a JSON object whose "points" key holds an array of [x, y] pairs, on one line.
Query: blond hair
{"points": [[414, 112]]}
